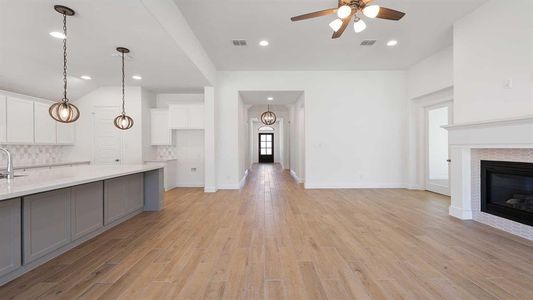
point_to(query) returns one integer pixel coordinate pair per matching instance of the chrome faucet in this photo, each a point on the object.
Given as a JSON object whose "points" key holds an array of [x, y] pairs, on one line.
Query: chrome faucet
{"points": [[10, 172]]}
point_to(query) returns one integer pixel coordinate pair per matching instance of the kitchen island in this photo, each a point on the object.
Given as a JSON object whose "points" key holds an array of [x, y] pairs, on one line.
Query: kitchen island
{"points": [[44, 213]]}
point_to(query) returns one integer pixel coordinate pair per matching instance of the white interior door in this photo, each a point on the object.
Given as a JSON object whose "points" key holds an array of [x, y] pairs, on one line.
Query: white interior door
{"points": [[108, 142], [437, 162]]}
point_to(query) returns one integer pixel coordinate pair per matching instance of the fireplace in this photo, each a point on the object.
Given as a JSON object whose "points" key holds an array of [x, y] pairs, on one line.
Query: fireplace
{"points": [[507, 190]]}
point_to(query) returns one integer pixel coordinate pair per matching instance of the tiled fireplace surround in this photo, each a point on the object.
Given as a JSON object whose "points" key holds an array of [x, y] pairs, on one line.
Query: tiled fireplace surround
{"points": [[502, 140]]}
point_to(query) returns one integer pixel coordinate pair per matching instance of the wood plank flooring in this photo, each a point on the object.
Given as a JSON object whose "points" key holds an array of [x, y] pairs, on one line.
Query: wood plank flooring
{"points": [[276, 240]]}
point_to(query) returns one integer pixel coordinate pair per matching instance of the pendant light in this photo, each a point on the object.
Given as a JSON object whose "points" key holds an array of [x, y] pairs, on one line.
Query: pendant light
{"points": [[63, 111], [123, 121], [268, 117]]}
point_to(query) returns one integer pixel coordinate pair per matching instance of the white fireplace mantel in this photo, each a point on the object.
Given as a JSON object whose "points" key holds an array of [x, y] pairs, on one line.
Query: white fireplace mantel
{"points": [[503, 133]]}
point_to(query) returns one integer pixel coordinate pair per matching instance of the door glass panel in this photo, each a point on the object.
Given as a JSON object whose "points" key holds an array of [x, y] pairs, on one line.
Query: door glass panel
{"points": [[269, 138], [263, 151], [438, 146], [268, 151], [263, 138]]}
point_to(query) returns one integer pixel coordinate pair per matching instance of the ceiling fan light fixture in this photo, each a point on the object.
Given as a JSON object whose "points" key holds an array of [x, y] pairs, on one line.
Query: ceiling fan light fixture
{"points": [[359, 26], [336, 24], [371, 11], [344, 11]]}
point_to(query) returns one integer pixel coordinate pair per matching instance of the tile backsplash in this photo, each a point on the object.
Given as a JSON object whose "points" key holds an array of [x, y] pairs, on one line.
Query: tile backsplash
{"points": [[166, 152], [28, 155], [519, 155]]}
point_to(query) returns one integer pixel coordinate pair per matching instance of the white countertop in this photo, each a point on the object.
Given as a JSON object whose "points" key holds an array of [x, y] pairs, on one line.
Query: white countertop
{"points": [[46, 165], [42, 180]]}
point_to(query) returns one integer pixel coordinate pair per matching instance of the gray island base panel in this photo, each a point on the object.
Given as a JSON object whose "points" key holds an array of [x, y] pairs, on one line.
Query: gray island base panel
{"points": [[69, 209]]}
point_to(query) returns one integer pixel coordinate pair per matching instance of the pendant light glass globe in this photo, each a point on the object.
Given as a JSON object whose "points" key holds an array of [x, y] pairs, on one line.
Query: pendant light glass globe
{"points": [[268, 117], [371, 11], [336, 24], [344, 11], [64, 112], [123, 122], [359, 26]]}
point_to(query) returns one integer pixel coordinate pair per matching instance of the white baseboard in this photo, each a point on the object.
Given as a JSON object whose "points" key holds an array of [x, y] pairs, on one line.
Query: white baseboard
{"points": [[210, 189], [460, 213], [416, 187], [243, 180], [298, 179], [192, 184], [234, 186], [228, 186], [355, 185]]}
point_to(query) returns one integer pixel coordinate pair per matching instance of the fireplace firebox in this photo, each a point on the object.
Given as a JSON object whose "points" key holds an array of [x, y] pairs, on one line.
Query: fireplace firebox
{"points": [[507, 190]]}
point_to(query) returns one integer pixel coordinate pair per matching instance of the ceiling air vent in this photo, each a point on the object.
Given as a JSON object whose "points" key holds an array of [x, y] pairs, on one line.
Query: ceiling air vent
{"points": [[368, 42], [239, 43]]}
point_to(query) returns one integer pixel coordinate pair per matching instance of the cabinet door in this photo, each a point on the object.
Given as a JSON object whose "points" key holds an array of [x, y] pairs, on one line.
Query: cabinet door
{"points": [[87, 205], [196, 116], [134, 195], [178, 116], [10, 256], [19, 121], [66, 133], [46, 223], [114, 203], [44, 125], [160, 133], [3, 119]]}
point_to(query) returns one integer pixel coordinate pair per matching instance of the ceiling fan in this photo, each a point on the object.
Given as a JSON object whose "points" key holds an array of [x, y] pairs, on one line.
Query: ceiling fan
{"points": [[347, 9]]}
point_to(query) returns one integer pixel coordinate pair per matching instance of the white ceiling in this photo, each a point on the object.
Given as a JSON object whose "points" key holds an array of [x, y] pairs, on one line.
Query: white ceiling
{"points": [[31, 60], [261, 97], [307, 45]]}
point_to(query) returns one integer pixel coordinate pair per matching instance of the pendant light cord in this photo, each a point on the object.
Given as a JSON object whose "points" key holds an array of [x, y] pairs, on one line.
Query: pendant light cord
{"points": [[123, 102], [65, 99]]}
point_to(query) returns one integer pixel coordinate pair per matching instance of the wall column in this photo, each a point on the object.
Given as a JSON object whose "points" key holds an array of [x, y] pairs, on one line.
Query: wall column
{"points": [[210, 185]]}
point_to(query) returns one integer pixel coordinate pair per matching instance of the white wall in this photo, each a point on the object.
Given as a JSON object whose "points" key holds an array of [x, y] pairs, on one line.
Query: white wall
{"points": [[494, 44], [431, 74], [429, 82], [297, 138], [106, 97], [358, 122], [190, 155], [148, 101]]}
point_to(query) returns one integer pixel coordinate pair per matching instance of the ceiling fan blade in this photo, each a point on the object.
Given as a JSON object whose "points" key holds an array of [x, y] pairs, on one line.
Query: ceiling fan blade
{"points": [[345, 24], [390, 14], [315, 14]]}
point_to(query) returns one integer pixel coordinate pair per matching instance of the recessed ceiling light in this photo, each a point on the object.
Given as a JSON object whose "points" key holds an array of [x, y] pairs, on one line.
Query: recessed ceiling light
{"points": [[86, 77], [264, 43], [136, 77], [58, 35], [270, 98], [392, 43]]}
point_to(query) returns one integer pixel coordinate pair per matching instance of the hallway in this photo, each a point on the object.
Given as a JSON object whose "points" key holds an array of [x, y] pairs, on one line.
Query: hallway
{"points": [[276, 240]]}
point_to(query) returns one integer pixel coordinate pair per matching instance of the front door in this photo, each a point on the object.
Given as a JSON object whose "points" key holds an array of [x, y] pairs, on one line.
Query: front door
{"points": [[266, 148]]}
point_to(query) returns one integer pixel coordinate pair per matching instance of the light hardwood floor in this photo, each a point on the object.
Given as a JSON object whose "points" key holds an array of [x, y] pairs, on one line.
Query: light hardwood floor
{"points": [[276, 240]]}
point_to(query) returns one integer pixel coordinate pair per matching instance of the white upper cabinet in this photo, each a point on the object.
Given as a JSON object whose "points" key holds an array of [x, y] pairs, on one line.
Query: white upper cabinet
{"points": [[19, 121], [45, 126], [160, 132], [66, 133], [26, 121], [186, 116], [178, 116], [3, 120]]}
